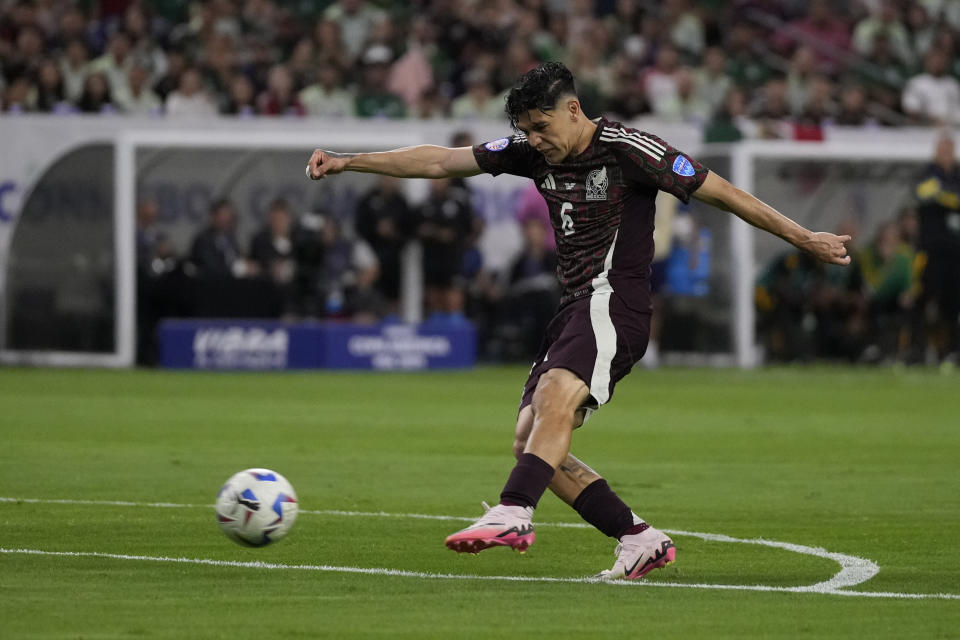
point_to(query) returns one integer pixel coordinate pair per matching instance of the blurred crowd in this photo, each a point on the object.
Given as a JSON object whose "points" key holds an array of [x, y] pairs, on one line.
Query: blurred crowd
{"points": [[349, 267], [898, 301], [744, 68], [734, 69]]}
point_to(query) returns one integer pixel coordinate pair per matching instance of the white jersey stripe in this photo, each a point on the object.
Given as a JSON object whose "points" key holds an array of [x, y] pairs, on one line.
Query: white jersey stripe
{"points": [[636, 143], [642, 138], [604, 332], [639, 137], [656, 156], [600, 283], [605, 335], [644, 142]]}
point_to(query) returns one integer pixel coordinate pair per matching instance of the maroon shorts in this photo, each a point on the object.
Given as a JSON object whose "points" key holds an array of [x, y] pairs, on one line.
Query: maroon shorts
{"points": [[599, 338]]}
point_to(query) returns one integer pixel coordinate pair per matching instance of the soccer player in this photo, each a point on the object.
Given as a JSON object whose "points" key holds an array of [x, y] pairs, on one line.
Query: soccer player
{"points": [[600, 180]]}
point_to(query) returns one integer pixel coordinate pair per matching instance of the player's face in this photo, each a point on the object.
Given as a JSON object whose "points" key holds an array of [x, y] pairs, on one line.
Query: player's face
{"points": [[551, 133]]}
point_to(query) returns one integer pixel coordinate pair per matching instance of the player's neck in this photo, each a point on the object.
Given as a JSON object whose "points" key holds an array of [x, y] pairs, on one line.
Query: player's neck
{"points": [[584, 137]]}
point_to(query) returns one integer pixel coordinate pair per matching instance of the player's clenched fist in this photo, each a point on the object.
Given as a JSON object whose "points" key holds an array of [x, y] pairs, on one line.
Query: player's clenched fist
{"points": [[829, 247], [323, 163]]}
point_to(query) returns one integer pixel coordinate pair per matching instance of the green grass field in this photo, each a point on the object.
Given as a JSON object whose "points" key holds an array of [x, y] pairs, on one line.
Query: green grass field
{"points": [[859, 462]]}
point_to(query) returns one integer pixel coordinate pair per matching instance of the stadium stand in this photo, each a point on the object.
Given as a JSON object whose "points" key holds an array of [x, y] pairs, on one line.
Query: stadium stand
{"points": [[735, 70]]}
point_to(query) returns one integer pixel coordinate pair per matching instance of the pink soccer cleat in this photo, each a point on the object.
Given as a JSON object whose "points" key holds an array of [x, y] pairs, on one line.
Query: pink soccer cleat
{"points": [[499, 526], [641, 553]]}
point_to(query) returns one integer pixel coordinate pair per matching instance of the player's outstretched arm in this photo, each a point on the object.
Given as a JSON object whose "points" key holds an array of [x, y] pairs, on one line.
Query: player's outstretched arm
{"points": [[423, 161], [723, 195]]}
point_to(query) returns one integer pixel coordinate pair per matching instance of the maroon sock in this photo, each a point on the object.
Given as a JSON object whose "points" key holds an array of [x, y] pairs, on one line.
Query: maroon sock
{"points": [[527, 482], [601, 507]]}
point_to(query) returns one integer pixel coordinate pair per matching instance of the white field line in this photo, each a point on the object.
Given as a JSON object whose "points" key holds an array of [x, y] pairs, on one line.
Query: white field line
{"points": [[853, 570], [454, 576]]}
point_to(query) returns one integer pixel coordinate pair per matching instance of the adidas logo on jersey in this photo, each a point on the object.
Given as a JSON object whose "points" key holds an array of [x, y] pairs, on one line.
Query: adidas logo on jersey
{"points": [[550, 184]]}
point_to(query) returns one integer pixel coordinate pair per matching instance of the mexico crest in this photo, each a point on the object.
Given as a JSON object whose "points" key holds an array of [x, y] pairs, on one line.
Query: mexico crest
{"points": [[597, 184]]}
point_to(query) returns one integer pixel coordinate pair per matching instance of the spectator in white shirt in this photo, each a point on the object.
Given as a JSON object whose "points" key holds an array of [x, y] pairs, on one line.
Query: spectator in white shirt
{"points": [[356, 20], [115, 63], [685, 26], [685, 105], [660, 81], [933, 97], [884, 20], [479, 100], [138, 98], [74, 68], [190, 97], [711, 80], [327, 98]]}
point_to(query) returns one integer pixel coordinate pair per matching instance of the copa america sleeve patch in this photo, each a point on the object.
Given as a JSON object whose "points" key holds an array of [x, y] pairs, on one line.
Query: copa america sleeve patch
{"points": [[497, 145], [682, 166]]}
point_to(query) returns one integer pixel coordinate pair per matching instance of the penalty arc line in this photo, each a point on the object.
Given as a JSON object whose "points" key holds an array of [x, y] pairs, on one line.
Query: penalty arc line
{"points": [[452, 576], [854, 570]]}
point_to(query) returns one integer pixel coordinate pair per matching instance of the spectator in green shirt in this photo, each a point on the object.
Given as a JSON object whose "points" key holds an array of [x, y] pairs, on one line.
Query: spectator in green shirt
{"points": [[374, 100], [885, 270]]}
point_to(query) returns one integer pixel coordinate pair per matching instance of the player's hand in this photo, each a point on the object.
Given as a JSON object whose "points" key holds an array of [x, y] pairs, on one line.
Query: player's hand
{"points": [[323, 163], [829, 247]]}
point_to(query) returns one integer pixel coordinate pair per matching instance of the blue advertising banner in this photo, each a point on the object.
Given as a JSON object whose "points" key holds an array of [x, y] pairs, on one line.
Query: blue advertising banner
{"points": [[263, 345], [399, 346], [239, 344]]}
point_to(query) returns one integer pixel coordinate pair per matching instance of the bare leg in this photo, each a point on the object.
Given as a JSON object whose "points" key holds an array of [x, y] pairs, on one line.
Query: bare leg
{"points": [[580, 486], [558, 396], [572, 476], [542, 446]]}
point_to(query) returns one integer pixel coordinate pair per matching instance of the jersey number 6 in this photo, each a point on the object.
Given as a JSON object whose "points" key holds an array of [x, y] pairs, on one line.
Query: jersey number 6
{"points": [[567, 221]]}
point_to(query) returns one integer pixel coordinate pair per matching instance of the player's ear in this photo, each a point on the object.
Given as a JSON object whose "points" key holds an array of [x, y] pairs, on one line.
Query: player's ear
{"points": [[573, 108]]}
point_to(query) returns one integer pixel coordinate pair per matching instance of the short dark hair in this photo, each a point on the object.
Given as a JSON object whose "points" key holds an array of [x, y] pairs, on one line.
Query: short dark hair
{"points": [[220, 203], [539, 88]]}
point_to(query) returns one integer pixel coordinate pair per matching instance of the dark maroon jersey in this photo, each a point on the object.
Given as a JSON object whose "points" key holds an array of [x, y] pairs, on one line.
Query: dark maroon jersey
{"points": [[601, 204]]}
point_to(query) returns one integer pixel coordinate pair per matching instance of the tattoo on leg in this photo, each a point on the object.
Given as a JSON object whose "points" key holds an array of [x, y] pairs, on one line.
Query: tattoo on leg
{"points": [[577, 469], [569, 466]]}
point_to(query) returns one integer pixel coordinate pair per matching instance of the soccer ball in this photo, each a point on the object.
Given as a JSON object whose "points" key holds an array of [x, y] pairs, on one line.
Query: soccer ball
{"points": [[256, 507]]}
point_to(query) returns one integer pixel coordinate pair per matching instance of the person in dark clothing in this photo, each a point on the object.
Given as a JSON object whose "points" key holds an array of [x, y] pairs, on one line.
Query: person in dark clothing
{"points": [[532, 292], [274, 248], [444, 224], [938, 193], [383, 217], [215, 251], [156, 262], [347, 277]]}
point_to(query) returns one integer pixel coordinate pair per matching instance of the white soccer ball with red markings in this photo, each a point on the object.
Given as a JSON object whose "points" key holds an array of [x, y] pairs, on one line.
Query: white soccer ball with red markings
{"points": [[256, 507]]}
